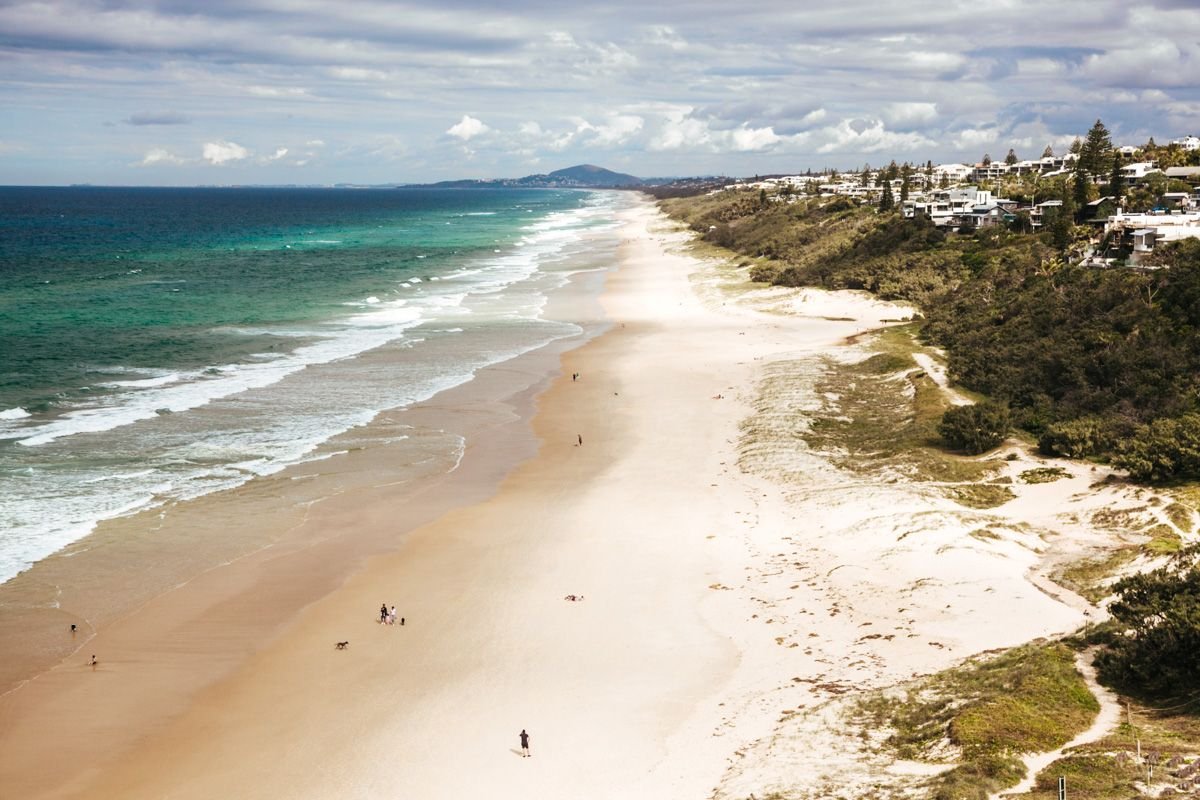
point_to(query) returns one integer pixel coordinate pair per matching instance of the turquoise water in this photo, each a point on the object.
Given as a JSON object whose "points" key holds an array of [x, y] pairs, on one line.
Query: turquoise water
{"points": [[158, 344]]}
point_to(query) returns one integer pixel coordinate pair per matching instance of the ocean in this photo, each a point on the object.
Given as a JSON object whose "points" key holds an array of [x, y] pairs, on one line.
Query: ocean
{"points": [[161, 344]]}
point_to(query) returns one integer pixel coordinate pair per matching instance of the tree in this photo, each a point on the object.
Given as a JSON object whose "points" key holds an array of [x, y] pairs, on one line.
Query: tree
{"points": [[1048, 152], [1166, 449], [974, 429], [1155, 651], [1011, 158], [1076, 145], [1116, 183], [1150, 145], [987, 160], [1080, 187], [887, 202], [944, 183], [762, 197], [1097, 151]]}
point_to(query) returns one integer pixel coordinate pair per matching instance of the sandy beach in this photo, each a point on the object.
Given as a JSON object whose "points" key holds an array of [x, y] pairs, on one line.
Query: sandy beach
{"points": [[733, 586]]}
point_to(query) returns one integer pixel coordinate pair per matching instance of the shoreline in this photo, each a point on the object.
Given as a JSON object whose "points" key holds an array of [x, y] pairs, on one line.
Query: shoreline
{"points": [[737, 585], [306, 520]]}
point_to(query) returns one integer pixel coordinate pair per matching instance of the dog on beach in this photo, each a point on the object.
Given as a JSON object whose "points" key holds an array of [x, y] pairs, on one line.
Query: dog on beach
{"points": [[341, 645]]}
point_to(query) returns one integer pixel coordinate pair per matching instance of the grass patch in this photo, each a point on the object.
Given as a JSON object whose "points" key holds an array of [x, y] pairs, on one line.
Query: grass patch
{"points": [[985, 535], [1163, 541], [1108, 769], [885, 415], [1090, 578], [1044, 475], [1028, 699], [980, 495], [1180, 516]]}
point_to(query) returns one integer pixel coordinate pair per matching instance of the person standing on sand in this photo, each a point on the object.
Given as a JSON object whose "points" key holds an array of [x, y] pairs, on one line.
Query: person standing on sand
{"points": [[524, 744], [580, 435], [383, 612]]}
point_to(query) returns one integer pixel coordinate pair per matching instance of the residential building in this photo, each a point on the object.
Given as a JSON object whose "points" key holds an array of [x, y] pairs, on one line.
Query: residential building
{"points": [[1136, 172], [1187, 142]]}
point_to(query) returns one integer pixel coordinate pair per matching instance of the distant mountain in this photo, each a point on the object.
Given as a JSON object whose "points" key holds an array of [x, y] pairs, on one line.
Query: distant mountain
{"points": [[582, 176], [590, 175]]}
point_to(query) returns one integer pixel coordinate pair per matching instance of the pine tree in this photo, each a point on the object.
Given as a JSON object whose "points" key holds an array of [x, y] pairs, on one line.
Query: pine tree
{"points": [[987, 160], [1080, 186], [1096, 153], [1076, 145], [1048, 152], [1116, 184], [1011, 158], [887, 202]]}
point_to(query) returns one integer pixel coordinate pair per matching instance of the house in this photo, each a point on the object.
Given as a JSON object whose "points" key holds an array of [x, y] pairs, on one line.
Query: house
{"points": [[1128, 150], [1187, 142], [1189, 174], [954, 173], [1137, 171], [1143, 244], [1145, 231], [1037, 214], [1178, 200]]}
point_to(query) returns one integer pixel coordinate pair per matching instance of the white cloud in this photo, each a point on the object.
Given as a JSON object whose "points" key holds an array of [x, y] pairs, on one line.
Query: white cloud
{"points": [[158, 155], [911, 113], [868, 136], [813, 117], [745, 139], [358, 74], [279, 153], [220, 152], [970, 138], [467, 128]]}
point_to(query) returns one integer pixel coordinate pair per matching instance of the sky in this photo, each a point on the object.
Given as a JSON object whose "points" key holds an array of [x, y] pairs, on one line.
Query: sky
{"points": [[178, 92]]}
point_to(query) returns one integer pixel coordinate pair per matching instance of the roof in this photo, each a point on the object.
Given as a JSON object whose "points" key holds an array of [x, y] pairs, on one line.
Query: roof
{"points": [[1183, 172], [1144, 231]]}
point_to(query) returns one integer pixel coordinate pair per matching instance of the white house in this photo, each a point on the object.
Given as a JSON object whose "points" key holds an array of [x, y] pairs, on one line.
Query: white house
{"points": [[1187, 142], [955, 173], [1135, 172]]}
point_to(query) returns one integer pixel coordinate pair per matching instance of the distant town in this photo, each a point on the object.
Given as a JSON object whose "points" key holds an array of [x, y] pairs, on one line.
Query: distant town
{"points": [[1112, 205]]}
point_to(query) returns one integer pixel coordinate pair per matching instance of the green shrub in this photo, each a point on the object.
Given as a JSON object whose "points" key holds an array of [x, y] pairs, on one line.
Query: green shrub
{"points": [[974, 429], [1166, 449]]}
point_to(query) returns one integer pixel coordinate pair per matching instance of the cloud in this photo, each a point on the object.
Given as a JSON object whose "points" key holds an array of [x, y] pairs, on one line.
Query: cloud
{"points": [[157, 118], [467, 128], [910, 114], [854, 136], [158, 155], [220, 152]]}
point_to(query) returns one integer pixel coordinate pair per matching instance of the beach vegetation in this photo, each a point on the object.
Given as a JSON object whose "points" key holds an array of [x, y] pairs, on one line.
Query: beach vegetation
{"points": [[880, 416], [1092, 363], [984, 714], [974, 429], [1044, 475], [1156, 633]]}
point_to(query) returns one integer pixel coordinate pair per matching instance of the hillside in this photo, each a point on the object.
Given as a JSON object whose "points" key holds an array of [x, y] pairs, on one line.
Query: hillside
{"points": [[1092, 362], [581, 176], [593, 176]]}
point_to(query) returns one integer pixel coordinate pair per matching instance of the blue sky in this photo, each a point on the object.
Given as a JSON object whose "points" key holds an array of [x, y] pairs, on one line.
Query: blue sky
{"points": [[175, 92]]}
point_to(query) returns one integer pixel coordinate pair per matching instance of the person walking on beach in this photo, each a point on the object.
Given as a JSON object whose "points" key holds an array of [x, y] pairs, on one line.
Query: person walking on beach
{"points": [[580, 435], [392, 616], [524, 744], [383, 612]]}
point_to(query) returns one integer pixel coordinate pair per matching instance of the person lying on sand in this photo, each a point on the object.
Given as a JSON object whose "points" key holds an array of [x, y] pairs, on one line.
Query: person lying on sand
{"points": [[574, 598]]}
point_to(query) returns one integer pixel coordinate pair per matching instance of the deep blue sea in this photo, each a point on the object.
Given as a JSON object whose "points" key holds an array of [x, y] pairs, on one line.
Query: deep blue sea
{"points": [[160, 344]]}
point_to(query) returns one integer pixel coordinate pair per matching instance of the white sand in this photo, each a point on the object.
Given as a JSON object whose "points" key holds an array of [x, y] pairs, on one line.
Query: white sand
{"points": [[736, 586]]}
